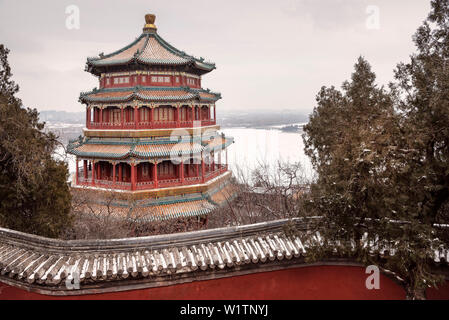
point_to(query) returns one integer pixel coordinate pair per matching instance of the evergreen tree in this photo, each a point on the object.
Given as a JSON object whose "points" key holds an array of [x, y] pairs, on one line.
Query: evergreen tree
{"points": [[34, 194], [371, 181], [424, 84]]}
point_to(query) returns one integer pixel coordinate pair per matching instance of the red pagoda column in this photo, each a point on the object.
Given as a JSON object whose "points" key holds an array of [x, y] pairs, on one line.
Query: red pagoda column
{"points": [[133, 176], [136, 116], [178, 118], [88, 118], [203, 170], [77, 171], [122, 118], [93, 172], [181, 172], [85, 169], [113, 173], [152, 116], [155, 175], [101, 117], [226, 158], [120, 172], [98, 171], [215, 115]]}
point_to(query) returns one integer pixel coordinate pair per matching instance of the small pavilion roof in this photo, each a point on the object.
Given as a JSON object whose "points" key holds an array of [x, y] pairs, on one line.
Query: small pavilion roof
{"points": [[149, 94], [149, 49]]}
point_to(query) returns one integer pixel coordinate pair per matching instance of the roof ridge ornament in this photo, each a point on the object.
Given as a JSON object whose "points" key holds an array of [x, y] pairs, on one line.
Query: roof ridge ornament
{"points": [[149, 23]]}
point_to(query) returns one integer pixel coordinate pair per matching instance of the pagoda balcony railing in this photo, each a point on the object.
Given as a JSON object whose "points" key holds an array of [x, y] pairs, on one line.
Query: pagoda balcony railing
{"points": [[129, 125], [148, 124], [82, 180], [192, 179], [169, 182], [212, 174], [186, 123], [141, 185], [105, 183], [164, 124], [108, 183], [123, 185], [207, 122]]}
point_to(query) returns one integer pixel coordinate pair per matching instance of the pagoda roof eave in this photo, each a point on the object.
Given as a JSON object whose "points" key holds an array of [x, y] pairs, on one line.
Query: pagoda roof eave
{"points": [[148, 49], [149, 94], [164, 149]]}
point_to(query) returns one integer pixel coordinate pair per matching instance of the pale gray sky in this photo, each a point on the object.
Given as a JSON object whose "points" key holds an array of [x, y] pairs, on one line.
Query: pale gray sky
{"points": [[269, 54]]}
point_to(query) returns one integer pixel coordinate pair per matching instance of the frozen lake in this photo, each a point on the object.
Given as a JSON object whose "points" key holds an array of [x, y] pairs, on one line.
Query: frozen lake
{"points": [[265, 146]]}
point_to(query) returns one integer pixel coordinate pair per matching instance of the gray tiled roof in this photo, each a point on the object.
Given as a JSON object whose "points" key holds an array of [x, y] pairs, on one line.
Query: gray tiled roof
{"points": [[150, 49], [38, 262]]}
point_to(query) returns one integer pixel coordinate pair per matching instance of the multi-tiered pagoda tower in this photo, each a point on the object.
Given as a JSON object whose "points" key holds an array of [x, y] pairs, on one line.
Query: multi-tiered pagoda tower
{"points": [[151, 130]]}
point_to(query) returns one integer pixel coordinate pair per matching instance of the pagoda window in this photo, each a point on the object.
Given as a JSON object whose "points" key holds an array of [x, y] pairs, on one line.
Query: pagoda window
{"points": [[160, 79], [104, 171], [145, 169], [164, 113], [166, 169], [183, 115], [129, 114], [205, 113], [153, 79], [144, 114], [177, 79], [116, 116], [144, 79], [167, 79], [108, 81]]}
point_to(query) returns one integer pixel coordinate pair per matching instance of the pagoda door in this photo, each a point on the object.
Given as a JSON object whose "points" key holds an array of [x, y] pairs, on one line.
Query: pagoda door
{"points": [[116, 116]]}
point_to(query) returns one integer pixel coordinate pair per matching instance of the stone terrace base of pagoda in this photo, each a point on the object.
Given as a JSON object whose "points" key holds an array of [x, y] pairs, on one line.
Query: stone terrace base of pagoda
{"points": [[188, 201]]}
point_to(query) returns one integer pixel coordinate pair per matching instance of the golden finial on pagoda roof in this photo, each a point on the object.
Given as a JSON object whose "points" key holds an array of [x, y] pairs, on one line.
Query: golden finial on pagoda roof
{"points": [[149, 22]]}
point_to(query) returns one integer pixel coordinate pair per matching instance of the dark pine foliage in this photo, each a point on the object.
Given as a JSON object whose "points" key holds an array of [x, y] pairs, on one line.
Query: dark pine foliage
{"points": [[34, 194], [382, 161]]}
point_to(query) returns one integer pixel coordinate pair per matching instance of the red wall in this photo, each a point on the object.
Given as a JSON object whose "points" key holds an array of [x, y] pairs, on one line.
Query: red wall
{"points": [[442, 293], [314, 282]]}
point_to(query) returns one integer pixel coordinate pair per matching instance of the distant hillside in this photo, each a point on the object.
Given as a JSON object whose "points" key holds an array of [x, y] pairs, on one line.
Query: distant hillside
{"points": [[62, 116], [260, 119], [251, 119]]}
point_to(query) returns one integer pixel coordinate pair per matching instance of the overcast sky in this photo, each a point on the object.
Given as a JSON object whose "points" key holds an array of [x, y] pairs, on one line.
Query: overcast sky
{"points": [[269, 54]]}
